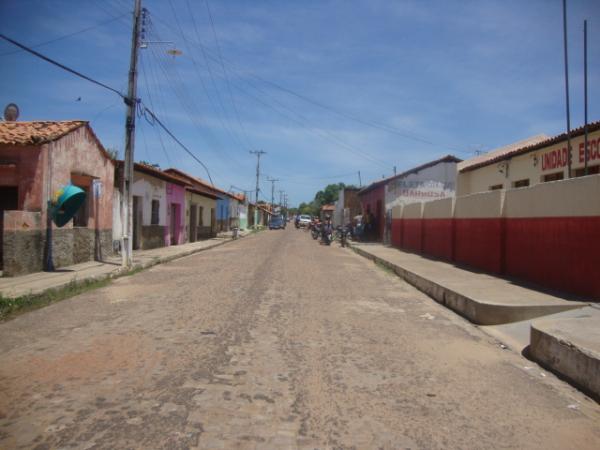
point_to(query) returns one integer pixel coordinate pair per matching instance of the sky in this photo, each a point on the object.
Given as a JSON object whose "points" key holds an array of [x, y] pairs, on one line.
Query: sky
{"points": [[326, 88]]}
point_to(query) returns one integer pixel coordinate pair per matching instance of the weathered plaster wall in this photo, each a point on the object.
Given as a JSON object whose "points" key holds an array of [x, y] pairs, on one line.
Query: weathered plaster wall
{"points": [[40, 172], [203, 208], [175, 196], [150, 188], [27, 173]]}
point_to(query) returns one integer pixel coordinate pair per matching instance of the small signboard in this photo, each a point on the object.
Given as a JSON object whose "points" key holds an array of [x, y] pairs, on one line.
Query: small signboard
{"points": [[97, 188]]}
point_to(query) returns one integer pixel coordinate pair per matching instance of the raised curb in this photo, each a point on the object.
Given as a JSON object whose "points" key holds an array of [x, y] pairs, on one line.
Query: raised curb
{"points": [[475, 310], [567, 356], [121, 271]]}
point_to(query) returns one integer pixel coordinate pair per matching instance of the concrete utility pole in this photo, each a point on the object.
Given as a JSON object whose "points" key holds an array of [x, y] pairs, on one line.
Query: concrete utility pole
{"points": [[359, 180], [258, 154], [281, 191], [131, 102], [272, 180]]}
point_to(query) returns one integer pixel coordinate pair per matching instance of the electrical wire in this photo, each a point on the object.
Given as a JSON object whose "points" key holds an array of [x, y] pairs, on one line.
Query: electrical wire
{"points": [[190, 107], [66, 36], [152, 105], [145, 109], [226, 124], [218, 45], [188, 151], [371, 123], [62, 66]]}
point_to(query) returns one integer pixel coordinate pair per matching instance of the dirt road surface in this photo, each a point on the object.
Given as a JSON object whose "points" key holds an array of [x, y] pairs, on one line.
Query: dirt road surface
{"points": [[273, 342]]}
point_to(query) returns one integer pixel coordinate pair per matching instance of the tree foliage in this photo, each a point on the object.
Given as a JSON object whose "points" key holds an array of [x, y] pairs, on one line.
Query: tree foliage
{"points": [[326, 196]]}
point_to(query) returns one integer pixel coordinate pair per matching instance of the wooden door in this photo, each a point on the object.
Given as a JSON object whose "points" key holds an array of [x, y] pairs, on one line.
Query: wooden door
{"points": [[9, 201], [174, 225], [193, 232]]}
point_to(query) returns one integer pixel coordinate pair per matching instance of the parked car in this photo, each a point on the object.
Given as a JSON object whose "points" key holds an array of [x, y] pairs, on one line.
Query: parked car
{"points": [[304, 220], [276, 223]]}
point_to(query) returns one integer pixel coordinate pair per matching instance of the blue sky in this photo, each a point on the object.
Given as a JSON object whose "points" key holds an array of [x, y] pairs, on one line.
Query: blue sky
{"points": [[434, 77]]}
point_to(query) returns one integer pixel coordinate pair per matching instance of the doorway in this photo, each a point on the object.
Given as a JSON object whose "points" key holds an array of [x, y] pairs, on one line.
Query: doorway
{"points": [[193, 222], [174, 226], [213, 222], [137, 222], [9, 201]]}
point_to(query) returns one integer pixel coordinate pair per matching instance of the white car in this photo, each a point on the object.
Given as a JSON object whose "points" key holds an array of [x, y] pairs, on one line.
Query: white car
{"points": [[304, 220]]}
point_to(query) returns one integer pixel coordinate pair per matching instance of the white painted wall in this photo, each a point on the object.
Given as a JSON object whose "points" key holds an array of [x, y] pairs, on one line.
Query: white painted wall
{"points": [[432, 183], [150, 188]]}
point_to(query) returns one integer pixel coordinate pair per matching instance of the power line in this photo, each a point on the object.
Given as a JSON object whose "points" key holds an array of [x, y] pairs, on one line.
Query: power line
{"points": [[62, 66], [212, 25], [145, 109], [371, 123], [189, 152], [66, 36]]}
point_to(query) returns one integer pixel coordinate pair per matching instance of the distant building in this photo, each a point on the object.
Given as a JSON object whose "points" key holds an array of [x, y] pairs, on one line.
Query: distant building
{"points": [[526, 163], [327, 210], [430, 181], [157, 211], [36, 159], [347, 206]]}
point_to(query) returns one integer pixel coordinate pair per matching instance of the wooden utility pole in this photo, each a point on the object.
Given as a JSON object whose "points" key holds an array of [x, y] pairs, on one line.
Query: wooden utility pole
{"points": [[131, 102]]}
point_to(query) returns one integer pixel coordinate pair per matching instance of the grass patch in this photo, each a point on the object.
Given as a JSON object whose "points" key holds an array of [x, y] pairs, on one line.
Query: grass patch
{"points": [[12, 307]]}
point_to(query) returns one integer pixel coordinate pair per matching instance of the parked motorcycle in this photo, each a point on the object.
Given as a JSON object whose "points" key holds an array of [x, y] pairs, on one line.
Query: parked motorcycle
{"points": [[327, 234], [342, 234], [315, 230]]}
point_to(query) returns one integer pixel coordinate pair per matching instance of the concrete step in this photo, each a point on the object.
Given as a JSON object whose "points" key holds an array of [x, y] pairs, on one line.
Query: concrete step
{"points": [[570, 347], [483, 299]]}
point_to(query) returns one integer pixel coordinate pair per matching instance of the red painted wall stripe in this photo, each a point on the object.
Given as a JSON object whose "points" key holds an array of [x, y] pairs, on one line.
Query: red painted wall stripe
{"points": [[558, 252], [437, 239], [478, 243], [412, 234], [396, 233]]}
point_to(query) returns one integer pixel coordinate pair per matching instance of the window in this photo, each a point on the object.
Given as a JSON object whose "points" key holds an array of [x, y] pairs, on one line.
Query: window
{"points": [[592, 170], [553, 177], [155, 208], [521, 183], [496, 187]]}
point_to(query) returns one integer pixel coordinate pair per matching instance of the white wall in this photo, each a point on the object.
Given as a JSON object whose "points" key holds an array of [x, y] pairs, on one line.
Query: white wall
{"points": [[432, 183], [150, 188]]}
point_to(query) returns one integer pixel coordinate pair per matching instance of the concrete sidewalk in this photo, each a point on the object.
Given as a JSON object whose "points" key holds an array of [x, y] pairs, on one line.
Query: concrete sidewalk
{"points": [[39, 282], [559, 332]]}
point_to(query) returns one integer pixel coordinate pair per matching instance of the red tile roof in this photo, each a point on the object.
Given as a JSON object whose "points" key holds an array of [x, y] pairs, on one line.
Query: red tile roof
{"points": [[36, 133], [594, 126], [153, 172], [198, 182], [328, 207]]}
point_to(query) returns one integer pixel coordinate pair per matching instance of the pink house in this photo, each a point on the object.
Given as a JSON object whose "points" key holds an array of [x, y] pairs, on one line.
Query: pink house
{"points": [[174, 231]]}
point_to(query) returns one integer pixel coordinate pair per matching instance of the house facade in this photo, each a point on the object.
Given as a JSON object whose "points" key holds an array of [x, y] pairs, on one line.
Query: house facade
{"points": [[347, 206], [200, 214], [430, 181], [159, 208], [36, 160], [536, 160]]}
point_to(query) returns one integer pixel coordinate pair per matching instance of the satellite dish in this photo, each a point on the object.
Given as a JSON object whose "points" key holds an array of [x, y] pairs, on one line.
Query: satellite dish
{"points": [[11, 112], [65, 203]]}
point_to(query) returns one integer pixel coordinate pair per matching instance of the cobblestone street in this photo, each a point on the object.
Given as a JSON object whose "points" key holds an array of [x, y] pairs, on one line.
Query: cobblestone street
{"points": [[273, 342]]}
